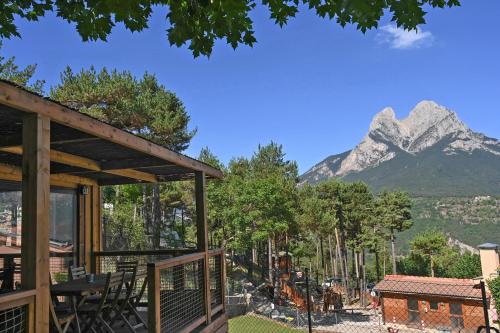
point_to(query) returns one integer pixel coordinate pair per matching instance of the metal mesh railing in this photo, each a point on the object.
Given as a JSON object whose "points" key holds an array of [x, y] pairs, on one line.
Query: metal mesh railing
{"points": [[14, 320], [216, 279], [182, 294], [105, 262]]}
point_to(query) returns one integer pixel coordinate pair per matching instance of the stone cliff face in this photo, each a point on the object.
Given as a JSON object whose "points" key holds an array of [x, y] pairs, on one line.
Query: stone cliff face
{"points": [[388, 138]]}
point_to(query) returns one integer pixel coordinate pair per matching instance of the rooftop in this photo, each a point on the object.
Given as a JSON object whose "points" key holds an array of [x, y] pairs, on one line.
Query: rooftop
{"points": [[429, 286]]}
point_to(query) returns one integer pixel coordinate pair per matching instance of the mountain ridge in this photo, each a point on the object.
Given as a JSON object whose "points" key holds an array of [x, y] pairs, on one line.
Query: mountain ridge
{"points": [[430, 152]]}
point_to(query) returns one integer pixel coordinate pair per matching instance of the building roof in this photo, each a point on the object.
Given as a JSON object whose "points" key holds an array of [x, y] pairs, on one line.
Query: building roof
{"points": [[85, 147], [429, 286], [488, 246]]}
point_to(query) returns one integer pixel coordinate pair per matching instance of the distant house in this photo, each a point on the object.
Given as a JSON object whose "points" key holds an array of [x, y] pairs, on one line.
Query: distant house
{"points": [[425, 302]]}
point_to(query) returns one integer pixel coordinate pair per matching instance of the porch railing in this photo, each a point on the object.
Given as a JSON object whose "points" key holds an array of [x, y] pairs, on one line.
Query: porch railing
{"points": [[177, 298], [14, 311]]}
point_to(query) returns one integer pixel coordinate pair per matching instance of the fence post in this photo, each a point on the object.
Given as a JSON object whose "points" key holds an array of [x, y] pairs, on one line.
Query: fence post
{"points": [[154, 319], [485, 306], [309, 321]]}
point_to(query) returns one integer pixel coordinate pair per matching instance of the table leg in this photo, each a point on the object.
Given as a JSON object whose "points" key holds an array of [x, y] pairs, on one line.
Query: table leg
{"points": [[73, 304]]}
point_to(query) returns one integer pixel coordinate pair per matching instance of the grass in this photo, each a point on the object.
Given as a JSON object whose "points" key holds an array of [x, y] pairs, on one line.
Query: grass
{"points": [[254, 324]]}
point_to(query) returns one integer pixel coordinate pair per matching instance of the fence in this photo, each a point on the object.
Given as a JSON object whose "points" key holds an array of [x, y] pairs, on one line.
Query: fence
{"points": [[398, 304], [14, 310], [181, 296]]}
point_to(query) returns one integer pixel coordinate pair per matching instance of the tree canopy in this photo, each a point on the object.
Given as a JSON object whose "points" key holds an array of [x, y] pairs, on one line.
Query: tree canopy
{"points": [[142, 106], [200, 22], [23, 77]]}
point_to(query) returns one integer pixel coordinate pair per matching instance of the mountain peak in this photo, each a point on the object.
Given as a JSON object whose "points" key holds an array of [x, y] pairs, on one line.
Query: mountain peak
{"points": [[388, 138]]}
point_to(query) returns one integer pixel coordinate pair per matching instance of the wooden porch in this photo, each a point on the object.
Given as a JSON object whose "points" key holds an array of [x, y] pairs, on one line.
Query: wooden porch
{"points": [[45, 146]]}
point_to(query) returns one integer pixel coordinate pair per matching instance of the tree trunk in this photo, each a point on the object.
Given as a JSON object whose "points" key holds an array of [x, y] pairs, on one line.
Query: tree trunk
{"points": [[317, 261], [183, 228], [385, 260], [363, 281], [270, 259], [377, 264], [323, 267], [333, 262], [393, 249], [355, 268], [432, 266], [156, 215], [277, 280], [287, 263], [343, 264]]}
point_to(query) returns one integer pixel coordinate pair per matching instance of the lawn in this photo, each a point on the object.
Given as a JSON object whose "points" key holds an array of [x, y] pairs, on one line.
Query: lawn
{"points": [[254, 324]]}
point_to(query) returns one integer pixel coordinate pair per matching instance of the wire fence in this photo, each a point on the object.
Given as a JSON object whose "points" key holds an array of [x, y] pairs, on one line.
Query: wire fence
{"points": [[397, 304], [13, 319]]}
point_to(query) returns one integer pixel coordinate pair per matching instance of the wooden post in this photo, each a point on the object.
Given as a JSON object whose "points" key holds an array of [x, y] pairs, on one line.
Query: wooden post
{"points": [[96, 226], [154, 318], [202, 235], [35, 219]]}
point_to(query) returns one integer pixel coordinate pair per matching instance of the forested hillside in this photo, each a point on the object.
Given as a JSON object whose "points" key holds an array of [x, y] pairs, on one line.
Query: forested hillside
{"points": [[472, 220]]}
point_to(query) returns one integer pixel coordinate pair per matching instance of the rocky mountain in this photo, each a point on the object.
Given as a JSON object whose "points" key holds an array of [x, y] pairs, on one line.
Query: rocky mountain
{"points": [[431, 152]]}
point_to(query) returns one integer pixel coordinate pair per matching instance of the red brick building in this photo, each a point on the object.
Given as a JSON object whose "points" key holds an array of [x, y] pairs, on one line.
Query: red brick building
{"points": [[425, 302]]}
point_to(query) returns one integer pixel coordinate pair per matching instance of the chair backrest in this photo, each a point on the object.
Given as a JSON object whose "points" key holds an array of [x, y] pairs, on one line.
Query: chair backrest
{"points": [[126, 266], [76, 273], [129, 289], [114, 288], [139, 296]]}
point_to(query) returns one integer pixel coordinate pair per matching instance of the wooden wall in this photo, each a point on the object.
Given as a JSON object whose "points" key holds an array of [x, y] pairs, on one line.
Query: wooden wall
{"points": [[395, 310]]}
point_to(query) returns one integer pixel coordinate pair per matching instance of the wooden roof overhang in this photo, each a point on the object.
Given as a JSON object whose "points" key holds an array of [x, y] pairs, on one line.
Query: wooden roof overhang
{"points": [[86, 150]]}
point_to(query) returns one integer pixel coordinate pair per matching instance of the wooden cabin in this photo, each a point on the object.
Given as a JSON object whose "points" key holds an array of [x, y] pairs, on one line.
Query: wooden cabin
{"points": [[53, 163], [436, 303]]}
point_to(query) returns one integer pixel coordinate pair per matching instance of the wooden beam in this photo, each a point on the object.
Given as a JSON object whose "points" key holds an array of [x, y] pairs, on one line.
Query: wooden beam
{"points": [[35, 217], [202, 234], [88, 164], [13, 173], [133, 174], [61, 157], [29, 102]]}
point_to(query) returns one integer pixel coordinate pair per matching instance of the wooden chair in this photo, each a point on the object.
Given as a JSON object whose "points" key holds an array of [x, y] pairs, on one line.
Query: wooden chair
{"points": [[61, 320], [76, 273], [130, 298], [136, 298], [62, 314], [98, 314], [125, 310]]}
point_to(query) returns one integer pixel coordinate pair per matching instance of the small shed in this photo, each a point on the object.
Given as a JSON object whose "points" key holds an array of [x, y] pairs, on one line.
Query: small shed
{"points": [[429, 302]]}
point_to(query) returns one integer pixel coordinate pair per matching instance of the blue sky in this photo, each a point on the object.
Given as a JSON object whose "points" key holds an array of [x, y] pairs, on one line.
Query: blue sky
{"points": [[311, 86]]}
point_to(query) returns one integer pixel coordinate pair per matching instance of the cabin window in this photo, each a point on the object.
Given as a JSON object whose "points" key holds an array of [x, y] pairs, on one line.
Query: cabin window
{"points": [[456, 309], [413, 314], [457, 321], [63, 227], [434, 305]]}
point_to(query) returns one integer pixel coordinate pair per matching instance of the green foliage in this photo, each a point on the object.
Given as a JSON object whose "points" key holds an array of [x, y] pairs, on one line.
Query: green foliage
{"points": [[414, 265], [467, 266], [141, 106], [393, 209], [201, 22], [123, 226], [429, 245], [11, 72], [494, 285], [467, 219], [430, 252]]}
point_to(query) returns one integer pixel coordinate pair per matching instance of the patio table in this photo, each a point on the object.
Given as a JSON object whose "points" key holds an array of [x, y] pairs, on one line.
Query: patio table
{"points": [[81, 288]]}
